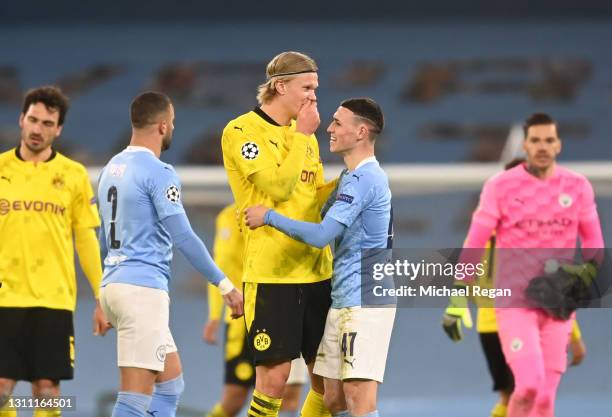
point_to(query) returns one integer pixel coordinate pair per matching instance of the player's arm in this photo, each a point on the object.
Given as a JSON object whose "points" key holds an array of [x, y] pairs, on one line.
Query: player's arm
{"points": [[278, 182], [589, 227], [84, 221], [484, 221], [314, 234], [261, 169], [86, 244], [192, 247]]}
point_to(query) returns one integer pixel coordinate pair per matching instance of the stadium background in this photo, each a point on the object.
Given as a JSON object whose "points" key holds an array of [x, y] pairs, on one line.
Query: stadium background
{"points": [[452, 78]]}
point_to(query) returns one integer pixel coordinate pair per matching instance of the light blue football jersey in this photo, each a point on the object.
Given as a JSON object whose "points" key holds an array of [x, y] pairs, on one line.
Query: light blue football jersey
{"points": [[136, 191], [363, 204]]}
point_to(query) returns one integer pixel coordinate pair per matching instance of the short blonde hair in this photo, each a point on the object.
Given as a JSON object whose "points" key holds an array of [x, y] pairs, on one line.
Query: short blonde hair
{"points": [[283, 67]]}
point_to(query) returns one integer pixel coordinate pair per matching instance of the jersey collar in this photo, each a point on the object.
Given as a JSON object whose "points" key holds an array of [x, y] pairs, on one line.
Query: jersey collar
{"points": [[365, 161], [258, 111], [18, 154], [132, 148]]}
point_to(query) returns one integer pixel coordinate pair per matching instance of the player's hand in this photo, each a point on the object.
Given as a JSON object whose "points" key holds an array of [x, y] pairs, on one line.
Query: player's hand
{"points": [[308, 119], [587, 271], [578, 352], [457, 315], [254, 216], [209, 333], [100, 323], [235, 302]]}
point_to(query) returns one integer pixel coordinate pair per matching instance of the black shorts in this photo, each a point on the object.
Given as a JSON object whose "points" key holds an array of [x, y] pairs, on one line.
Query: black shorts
{"points": [[503, 380], [284, 320], [238, 357], [36, 343]]}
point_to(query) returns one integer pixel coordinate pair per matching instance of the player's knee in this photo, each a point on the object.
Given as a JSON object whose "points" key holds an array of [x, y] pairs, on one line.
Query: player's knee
{"points": [[45, 388], [358, 399], [274, 382], [4, 397], [174, 387], [334, 400], [526, 394], [544, 404]]}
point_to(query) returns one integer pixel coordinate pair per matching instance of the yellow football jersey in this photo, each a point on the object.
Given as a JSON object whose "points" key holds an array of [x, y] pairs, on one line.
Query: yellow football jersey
{"points": [[228, 252], [40, 206], [253, 142]]}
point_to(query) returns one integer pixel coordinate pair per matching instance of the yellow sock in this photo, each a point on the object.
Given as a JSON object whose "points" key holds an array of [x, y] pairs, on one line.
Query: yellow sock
{"points": [[314, 406], [217, 411], [500, 410], [47, 413], [264, 406], [7, 412]]}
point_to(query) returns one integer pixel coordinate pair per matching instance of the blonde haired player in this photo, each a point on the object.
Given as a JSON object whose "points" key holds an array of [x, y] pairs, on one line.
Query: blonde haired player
{"points": [[47, 208], [238, 357], [272, 157]]}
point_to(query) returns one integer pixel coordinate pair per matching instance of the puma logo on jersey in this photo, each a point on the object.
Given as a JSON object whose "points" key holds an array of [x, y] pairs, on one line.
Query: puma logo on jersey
{"points": [[350, 362], [238, 128], [5, 178], [274, 143]]}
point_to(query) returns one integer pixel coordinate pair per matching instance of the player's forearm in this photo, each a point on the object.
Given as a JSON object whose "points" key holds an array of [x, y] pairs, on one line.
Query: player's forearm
{"points": [[215, 303], [279, 182], [475, 245], [88, 250], [314, 234], [592, 240], [190, 245]]}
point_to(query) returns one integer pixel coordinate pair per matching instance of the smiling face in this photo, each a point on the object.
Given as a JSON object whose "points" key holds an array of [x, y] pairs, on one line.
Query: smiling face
{"points": [[542, 145], [296, 91], [344, 131], [39, 127]]}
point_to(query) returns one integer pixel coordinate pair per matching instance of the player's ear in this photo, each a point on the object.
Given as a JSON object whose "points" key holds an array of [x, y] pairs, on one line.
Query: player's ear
{"points": [[59, 130], [559, 146], [21, 117], [162, 127], [280, 87]]}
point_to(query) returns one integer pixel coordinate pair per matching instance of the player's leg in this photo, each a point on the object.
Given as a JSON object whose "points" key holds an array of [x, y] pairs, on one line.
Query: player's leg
{"points": [[13, 344], [334, 398], [46, 388], [298, 377], [239, 375], [6, 390], [53, 355], [365, 335], [233, 399], [328, 365], [169, 384], [317, 301], [555, 335], [273, 315], [520, 338], [503, 381], [142, 342]]}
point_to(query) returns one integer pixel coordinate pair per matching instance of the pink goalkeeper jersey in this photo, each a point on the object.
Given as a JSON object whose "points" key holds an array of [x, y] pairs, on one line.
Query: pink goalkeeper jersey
{"points": [[534, 219], [529, 212]]}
